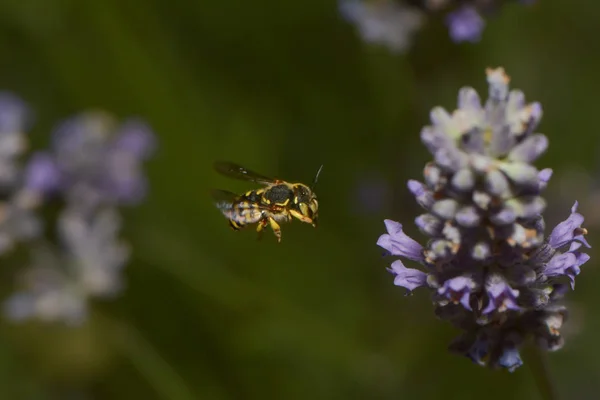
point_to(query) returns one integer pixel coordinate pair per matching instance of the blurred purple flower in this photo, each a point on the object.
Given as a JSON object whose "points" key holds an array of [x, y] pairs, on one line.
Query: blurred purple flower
{"points": [[94, 165], [394, 22], [384, 22], [100, 162], [465, 25], [490, 269]]}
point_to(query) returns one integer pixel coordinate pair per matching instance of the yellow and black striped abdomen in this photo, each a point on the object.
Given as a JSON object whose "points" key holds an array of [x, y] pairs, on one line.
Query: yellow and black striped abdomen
{"points": [[243, 213]]}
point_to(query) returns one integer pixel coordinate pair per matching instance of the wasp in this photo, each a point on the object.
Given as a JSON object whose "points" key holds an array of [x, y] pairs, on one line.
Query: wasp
{"points": [[277, 202]]}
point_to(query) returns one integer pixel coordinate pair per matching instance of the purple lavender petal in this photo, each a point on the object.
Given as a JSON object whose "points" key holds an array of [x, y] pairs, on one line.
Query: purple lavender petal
{"points": [[559, 263], [510, 358], [398, 243], [544, 177], [568, 230], [501, 296], [409, 278], [566, 264], [423, 196], [458, 290]]}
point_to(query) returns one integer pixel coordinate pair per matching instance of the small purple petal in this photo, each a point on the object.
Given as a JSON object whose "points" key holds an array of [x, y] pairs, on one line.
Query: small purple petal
{"points": [[568, 230], [423, 196], [458, 290], [544, 177], [398, 243], [408, 278], [566, 264], [559, 263], [501, 296], [510, 358]]}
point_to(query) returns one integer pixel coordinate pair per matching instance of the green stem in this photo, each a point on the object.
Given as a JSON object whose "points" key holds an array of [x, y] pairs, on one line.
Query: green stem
{"points": [[541, 373]]}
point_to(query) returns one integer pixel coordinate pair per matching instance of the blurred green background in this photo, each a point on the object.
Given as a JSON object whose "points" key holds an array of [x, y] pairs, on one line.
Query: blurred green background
{"points": [[283, 87]]}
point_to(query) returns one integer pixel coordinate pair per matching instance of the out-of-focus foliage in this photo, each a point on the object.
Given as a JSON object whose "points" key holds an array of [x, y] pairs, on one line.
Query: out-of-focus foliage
{"points": [[283, 87]]}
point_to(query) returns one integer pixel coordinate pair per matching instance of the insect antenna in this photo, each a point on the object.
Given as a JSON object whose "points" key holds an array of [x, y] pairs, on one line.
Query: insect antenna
{"points": [[314, 182]]}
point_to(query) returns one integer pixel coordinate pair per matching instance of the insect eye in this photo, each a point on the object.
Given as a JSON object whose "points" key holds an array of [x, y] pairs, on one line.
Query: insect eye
{"points": [[302, 194]]}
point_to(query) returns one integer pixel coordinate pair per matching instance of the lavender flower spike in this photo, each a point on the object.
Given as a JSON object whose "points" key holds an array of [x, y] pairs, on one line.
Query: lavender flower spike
{"points": [[93, 167], [490, 268]]}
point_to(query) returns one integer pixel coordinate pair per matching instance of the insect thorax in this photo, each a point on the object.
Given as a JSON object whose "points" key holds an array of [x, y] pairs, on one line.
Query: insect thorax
{"points": [[278, 194]]}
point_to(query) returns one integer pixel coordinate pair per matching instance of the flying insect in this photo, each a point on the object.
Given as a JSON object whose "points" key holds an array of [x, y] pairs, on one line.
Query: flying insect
{"points": [[277, 202]]}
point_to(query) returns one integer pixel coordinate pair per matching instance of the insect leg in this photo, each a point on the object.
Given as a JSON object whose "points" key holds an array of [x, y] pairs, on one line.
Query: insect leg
{"points": [[236, 226], [276, 228], [261, 225], [301, 217]]}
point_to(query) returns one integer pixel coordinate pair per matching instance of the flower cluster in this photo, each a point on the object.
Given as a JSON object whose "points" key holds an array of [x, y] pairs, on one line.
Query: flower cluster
{"points": [[393, 22], [93, 167], [488, 265]]}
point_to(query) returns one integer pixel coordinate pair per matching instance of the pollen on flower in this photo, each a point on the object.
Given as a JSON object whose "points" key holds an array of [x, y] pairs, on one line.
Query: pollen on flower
{"points": [[492, 270]]}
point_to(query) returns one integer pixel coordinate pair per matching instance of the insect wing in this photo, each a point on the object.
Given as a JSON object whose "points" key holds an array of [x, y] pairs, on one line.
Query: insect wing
{"points": [[224, 200], [236, 171]]}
